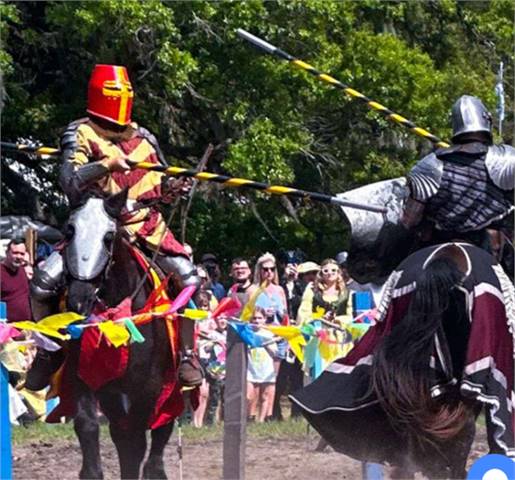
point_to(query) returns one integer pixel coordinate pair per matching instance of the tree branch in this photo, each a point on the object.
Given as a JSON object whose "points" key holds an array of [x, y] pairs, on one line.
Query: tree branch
{"points": [[255, 212], [200, 167]]}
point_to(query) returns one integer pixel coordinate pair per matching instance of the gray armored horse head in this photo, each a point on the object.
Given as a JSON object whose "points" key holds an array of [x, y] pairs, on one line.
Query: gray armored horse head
{"points": [[90, 231]]}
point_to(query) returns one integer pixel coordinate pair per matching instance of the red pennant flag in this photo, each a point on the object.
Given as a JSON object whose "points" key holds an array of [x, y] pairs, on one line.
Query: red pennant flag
{"points": [[228, 306]]}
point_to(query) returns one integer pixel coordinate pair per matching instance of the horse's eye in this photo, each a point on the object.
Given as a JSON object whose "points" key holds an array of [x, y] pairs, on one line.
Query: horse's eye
{"points": [[69, 231], [108, 239]]}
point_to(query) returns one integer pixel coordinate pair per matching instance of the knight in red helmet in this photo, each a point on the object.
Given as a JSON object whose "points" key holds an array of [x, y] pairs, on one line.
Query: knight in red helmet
{"points": [[97, 153], [110, 94]]}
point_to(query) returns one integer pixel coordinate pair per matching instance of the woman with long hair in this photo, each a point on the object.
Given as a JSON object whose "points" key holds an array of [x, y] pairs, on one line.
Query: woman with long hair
{"points": [[271, 296], [328, 292]]}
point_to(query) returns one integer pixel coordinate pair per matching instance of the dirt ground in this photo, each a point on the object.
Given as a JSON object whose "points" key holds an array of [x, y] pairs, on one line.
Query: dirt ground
{"points": [[270, 459]]}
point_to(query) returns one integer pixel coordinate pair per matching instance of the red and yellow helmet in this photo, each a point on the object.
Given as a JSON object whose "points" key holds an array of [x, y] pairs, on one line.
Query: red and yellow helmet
{"points": [[110, 94]]}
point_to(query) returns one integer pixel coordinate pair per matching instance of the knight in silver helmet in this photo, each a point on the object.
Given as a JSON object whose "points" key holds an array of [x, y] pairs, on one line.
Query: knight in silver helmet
{"points": [[469, 115], [466, 190]]}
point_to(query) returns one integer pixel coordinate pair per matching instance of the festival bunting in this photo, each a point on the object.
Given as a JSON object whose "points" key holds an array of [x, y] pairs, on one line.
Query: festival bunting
{"points": [[293, 335], [136, 336], [36, 327], [311, 344], [182, 299], [247, 334], [75, 331], [248, 309], [51, 325], [228, 307], [7, 332], [45, 343], [312, 358], [60, 320], [194, 314], [117, 334]]}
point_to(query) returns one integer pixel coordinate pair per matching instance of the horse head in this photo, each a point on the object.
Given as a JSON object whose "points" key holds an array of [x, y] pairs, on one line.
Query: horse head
{"points": [[90, 233]]}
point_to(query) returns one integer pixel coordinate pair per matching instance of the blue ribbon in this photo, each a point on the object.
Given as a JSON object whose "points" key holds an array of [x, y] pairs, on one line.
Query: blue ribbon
{"points": [[74, 331]]}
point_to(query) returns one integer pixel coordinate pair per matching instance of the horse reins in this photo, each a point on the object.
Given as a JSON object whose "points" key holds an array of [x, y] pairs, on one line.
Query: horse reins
{"points": [[156, 252]]}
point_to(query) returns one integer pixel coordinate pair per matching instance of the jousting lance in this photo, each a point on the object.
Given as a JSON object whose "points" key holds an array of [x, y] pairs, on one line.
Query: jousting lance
{"points": [[386, 112], [214, 177]]}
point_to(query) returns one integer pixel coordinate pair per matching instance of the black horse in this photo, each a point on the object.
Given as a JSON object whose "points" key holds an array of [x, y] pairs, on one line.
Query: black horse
{"points": [[409, 392], [98, 250]]}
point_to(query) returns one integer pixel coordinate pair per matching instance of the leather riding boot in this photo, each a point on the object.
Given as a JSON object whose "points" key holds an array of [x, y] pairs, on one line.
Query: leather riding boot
{"points": [[190, 370], [44, 366]]}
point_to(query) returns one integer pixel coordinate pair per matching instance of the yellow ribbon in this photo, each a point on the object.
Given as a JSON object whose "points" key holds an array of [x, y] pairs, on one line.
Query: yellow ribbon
{"points": [[116, 333], [293, 336]]}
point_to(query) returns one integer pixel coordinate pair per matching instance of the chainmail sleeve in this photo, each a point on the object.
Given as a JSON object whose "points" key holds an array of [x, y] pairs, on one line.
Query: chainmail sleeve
{"points": [[77, 172]]}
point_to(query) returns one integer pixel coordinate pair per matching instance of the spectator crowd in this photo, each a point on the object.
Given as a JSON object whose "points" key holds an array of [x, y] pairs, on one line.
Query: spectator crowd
{"points": [[286, 289]]}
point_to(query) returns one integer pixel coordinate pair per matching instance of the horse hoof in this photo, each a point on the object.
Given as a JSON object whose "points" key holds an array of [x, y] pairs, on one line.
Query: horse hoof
{"points": [[154, 472], [89, 474]]}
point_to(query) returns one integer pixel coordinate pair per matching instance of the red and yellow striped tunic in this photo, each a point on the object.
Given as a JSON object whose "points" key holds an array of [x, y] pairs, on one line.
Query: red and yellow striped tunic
{"points": [[95, 144]]}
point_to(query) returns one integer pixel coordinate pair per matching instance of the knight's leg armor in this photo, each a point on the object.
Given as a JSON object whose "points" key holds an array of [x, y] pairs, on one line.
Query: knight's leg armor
{"points": [[45, 288], [184, 274]]}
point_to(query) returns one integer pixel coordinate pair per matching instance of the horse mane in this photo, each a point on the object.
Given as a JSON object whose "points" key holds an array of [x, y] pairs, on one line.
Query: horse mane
{"points": [[119, 281], [401, 373]]}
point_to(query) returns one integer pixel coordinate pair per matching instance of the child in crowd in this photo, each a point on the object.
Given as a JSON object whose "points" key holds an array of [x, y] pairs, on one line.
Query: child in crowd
{"points": [[212, 348], [261, 373], [203, 330], [215, 370]]}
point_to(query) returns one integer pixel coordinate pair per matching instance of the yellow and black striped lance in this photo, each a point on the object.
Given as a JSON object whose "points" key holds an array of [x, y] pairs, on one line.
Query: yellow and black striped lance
{"points": [[224, 180], [386, 112]]}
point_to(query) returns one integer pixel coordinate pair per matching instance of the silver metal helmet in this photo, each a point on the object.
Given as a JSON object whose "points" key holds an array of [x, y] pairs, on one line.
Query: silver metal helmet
{"points": [[470, 115], [87, 254]]}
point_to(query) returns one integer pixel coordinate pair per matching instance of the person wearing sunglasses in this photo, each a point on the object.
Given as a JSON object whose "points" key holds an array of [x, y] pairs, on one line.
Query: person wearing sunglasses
{"points": [[272, 297], [329, 292]]}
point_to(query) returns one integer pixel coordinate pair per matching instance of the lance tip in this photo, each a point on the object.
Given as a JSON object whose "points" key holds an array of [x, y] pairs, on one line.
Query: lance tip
{"points": [[258, 42]]}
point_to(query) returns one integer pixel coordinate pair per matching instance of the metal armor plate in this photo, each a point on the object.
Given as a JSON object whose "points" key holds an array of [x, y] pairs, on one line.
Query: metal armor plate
{"points": [[86, 255], [370, 230]]}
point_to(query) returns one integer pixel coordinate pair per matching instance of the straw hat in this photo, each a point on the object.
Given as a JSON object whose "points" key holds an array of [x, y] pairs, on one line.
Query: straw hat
{"points": [[308, 267]]}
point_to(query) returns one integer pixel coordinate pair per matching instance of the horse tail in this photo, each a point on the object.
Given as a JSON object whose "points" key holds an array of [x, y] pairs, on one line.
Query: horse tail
{"points": [[401, 372]]}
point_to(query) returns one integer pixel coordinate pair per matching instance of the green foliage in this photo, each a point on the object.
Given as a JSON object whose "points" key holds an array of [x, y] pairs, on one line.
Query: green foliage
{"points": [[197, 83], [268, 150], [8, 14]]}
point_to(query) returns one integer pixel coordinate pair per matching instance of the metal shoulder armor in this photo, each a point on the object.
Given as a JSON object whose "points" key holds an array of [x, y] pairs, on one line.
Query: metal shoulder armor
{"points": [[75, 179], [153, 141], [500, 164], [425, 177]]}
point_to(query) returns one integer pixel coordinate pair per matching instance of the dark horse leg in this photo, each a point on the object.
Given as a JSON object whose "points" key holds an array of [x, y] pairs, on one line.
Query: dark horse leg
{"points": [[447, 459], [128, 432], [460, 448], [154, 466], [87, 430]]}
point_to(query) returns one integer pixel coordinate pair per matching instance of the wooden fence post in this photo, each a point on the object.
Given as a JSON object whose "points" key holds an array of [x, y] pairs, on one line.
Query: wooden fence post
{"points": [[235, 408], [31, 238]]}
